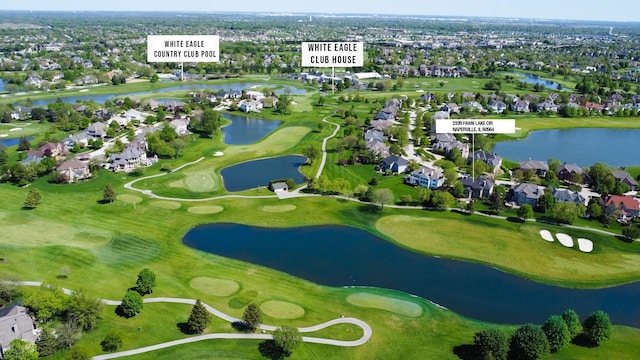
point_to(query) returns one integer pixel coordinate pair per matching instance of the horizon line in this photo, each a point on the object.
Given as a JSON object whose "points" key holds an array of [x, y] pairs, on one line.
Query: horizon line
{"points": [[293, 13]]}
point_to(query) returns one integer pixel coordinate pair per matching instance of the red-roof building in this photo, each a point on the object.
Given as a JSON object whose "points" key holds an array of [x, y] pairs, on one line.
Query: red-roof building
{"points": [[629, 206]]}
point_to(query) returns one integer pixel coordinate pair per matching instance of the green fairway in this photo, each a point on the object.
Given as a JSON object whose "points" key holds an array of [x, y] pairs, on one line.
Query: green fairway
{"points": [[518, 248], [394, 305], [213, 286], [278, 309]]}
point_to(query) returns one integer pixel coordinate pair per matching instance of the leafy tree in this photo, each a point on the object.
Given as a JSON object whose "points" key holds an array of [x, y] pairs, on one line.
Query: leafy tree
{"points": [[528, 343], [288, 339], [572, 320], [458, 189], [47, 344], [33, 199], [8, 291], [441, 199], [566, 212], [557, 333], [154, 78], [21, 350], [492, 344], [283, 105], [145, 282], [252, 316], [597, 327], [111, 342], [67, 334], [311, 151], [594, 210], [84, 310], [24, 144], [525, 212], [131, 304], [199, 318], [77, 354], [546, 202], [108, 194], [631, 233], [383, 196], [46, 302], [210, 122]]}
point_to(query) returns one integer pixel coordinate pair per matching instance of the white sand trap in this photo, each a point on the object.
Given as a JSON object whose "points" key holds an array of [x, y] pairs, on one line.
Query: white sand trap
{"points": [[15, 129], [585, 245], [420, 91], [84, 90], [546, 235], [294, 103], [4, 135], [218, 153], [565, 239]]}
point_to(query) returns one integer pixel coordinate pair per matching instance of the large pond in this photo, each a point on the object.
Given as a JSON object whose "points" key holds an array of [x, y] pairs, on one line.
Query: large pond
{"points": [[257, 173], [534, 79], [247, 130], [584, 147], [344, 256], [239, 86], [10, 142]]}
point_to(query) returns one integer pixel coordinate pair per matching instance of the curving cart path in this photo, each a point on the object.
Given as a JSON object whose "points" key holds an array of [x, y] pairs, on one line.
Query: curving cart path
{"points": [[367, 332]]}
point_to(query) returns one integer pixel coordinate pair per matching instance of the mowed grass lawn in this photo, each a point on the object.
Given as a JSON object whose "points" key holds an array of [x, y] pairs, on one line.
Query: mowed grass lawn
{"points": [[517, 248]]}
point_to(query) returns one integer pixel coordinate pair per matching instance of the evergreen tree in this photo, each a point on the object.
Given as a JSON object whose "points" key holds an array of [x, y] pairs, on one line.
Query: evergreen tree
{"points": [[47, 344], [4, 157], [199, 318], [24, 144], [252, 316], [33, 199]]}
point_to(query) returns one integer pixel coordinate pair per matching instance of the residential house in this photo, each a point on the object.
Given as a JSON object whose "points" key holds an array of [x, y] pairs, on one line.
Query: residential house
{"points": [[491, 159], [180, 126], [567, 172], [451, 108], [21, 113], [478, 188], [74, 170], [380, 124], [538, 167], [526, 193], [568, 196], [250, 105], [547, 105], [378, 147], [81, 138], [97, 130], [279, 187], [446, 147], [472, 106], [15, 323], [497, 106], [52, 150], [624, 177], [121, 121], [431, 178], [395, 164], [374, 135], [628, 206], [437, 138], [254, 95], [133, 114], [439, 115], [133, 156], [521, 106]]}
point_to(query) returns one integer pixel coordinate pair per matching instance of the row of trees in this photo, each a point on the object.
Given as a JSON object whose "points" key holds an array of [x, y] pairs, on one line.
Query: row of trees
{"points": [[531, 342]]}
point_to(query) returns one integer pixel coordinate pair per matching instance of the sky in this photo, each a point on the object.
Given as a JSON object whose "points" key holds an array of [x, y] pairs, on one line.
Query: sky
{"points": [[604, 10]]}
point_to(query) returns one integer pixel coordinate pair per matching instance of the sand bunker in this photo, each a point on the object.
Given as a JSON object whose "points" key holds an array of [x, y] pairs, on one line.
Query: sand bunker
{"points": [[546, 235], [565, 239], [585, 245], [218, 153]]}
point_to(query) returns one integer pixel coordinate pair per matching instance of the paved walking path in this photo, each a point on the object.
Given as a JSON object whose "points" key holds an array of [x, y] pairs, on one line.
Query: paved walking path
{"points": [[367, 332]]}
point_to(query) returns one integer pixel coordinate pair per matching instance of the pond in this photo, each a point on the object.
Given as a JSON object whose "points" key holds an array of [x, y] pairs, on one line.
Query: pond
{"points": [[1, 85], [257, 173], [10, 142], [583, 147], [239, 86], [535, 79], [345, 256], [247, 130]]}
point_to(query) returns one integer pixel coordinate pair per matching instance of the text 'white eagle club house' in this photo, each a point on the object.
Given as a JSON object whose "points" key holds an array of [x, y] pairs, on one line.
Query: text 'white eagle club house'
{"points": [[332, 54], [475, 126], [183, 48]]}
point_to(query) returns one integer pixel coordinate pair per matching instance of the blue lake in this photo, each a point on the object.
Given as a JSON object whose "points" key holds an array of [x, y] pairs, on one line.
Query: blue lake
{"points": [[257, 173], [11, 142], [230, 87], [1, 85], [534, 79], [247, 130], [345, 256], [584, 147]]}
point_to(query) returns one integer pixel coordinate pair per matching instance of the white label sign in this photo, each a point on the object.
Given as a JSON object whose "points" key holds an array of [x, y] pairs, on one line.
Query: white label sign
{"points": [[475, 126], [183, 48], [332, 54]]}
